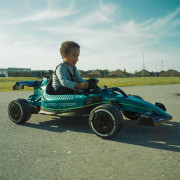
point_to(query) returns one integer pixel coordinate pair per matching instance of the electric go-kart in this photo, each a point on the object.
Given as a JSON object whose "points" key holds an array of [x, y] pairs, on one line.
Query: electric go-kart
{"points": [[103, 106]]}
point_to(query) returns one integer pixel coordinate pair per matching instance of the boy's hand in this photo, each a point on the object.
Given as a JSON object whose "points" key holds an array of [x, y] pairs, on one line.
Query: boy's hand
{"points": [[83, 85]]}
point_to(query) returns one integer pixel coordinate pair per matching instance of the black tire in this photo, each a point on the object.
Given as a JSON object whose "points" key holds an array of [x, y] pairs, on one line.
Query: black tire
{"points": [[132, 115], [105, 121], [19, 111]]}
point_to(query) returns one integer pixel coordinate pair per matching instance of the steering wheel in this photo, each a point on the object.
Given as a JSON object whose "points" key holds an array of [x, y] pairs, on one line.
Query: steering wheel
{"points": [[93, 87]]}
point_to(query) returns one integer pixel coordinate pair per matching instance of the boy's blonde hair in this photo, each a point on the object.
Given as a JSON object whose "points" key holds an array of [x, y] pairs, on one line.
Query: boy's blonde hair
{"points": [[67, 45]]}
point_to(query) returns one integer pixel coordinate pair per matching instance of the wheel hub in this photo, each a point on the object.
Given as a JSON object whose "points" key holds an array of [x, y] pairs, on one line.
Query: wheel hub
{"points": [[15, 111], [103, 123]]}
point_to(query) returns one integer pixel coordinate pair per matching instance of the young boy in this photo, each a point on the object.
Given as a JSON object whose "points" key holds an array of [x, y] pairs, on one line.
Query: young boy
{"points": [[66, 77]]}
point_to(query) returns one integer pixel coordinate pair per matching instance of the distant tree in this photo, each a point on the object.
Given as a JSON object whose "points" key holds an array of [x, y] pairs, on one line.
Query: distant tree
{"points": [[135, 72], [104, 72]]}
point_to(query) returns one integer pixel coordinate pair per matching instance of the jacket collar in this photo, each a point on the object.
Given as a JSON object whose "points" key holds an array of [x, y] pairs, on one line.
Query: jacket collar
{"points": [[64, 64]]}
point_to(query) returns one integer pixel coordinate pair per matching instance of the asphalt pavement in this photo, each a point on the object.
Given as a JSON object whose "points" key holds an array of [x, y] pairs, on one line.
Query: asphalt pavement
{"points": [[55, 148]]}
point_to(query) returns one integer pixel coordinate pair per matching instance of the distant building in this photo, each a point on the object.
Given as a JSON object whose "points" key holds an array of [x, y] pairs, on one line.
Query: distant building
{"points": [[170, 73], [27, 72], [24, 72], [81, 73], [19, 74], [118, 73], [3, 72], [34, 73], [41, 73], [97, 73], [6, 72], [18, 69], [143, 73]]}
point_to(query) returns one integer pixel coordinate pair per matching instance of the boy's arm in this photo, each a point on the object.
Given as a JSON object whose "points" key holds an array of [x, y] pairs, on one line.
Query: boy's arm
{"points": [[81, 83], [78, 77]]}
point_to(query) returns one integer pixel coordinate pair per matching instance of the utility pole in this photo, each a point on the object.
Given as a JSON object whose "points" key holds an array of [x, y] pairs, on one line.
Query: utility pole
{"points": [[156, 68], [161, 65], [143, 66]]}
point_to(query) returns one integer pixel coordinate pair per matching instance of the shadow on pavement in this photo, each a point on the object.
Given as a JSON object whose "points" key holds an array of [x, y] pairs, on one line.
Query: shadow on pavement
{"points": [[165, 136], [62, 124]]}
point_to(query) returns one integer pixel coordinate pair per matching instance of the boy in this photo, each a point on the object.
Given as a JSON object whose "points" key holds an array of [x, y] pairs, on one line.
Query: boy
{"points": [[66, 77]]}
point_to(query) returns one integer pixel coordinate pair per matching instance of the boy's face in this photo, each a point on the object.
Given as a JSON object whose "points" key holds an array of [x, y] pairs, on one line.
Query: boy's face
{"points": [[72, 57]]}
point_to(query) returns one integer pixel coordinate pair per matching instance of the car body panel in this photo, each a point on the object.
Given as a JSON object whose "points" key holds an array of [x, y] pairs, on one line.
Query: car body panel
{"points": [[66, 103]]}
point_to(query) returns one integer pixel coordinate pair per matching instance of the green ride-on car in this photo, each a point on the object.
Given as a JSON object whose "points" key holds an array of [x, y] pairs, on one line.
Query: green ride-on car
{"points": [[103, 106]]}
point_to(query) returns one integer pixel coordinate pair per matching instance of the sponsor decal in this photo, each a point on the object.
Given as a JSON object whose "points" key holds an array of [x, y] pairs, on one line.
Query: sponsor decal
{"points": [[145, 116], [92, 100], [59, 104]]}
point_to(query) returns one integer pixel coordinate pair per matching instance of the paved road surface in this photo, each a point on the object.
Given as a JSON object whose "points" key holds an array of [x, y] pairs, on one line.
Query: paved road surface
{"points": [[49, 147]]}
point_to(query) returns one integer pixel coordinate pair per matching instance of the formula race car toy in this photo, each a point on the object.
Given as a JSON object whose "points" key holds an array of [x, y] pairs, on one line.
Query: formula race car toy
{"points": [[103, 106]]}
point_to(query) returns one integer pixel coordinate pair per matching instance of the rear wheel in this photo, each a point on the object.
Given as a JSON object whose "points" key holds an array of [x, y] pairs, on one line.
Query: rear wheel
{"points": [[132, 115], [19, 111], [105, 121]]}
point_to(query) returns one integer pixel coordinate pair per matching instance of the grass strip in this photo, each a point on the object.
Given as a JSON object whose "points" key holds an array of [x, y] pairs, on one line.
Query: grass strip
{"points": [[7, 83]]}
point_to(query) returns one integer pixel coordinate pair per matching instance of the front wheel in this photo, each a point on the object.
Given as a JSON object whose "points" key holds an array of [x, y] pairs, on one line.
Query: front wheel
{"points": [[19, 111], [105, 121]]}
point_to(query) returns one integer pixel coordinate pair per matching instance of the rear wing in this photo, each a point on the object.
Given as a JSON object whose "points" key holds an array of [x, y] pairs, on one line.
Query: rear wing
{"points": [[20, 84]]}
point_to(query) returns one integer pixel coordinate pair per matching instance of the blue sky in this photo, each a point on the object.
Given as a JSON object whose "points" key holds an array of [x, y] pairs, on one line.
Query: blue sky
{"points": [[113, 34]]}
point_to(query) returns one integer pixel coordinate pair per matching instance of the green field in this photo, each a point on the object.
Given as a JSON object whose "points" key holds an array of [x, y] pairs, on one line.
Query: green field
{"points": [[138, 81], [7, 83]]}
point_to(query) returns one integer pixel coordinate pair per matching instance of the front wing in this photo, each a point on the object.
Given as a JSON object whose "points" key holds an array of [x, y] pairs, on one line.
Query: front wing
{"points": [[152, 119]]}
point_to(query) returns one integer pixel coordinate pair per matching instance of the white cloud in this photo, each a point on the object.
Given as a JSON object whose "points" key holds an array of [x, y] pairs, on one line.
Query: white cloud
{"points": [[103, 13], [105, 43], [161, 22], [48, 14], [119, 45], [163, 26], [15, 55]]}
